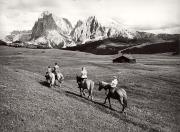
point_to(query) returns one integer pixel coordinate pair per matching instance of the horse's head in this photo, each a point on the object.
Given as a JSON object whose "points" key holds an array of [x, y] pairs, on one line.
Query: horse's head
{"points": [[47, 76], [78, 79], [100, 86]]}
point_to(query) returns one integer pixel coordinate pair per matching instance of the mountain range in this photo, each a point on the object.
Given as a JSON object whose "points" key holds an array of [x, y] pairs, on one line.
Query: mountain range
{"points": [[50, 31]]}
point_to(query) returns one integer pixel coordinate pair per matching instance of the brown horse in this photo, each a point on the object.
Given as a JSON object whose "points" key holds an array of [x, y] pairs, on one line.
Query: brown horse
{"points": [[119, 94], [86, 84]]}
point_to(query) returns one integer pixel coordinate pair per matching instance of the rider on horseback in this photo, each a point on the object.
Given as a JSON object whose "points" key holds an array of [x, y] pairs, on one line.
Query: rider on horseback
{"points": [[114, 83], [49, 70], [50, 77], [56, 71], [83, 74]]}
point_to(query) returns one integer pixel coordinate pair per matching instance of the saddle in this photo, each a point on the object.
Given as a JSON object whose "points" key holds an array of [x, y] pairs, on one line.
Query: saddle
{"points": [[113, 89]]}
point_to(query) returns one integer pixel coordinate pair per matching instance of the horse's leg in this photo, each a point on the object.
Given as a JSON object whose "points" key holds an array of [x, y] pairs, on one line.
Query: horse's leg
{"points": [[109, 102], [59, 82], [121, 102], [91, 94], [59, 79], [80, 91], [83, 92], [92, 87], [105, 100], [107, 97], [51, 83]]}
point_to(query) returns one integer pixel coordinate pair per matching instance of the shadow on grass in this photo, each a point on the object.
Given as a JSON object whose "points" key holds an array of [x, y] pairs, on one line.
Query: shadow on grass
{"points": [[85, 99], [100, 106], [44, 83], [55, 88], [106, 109]]}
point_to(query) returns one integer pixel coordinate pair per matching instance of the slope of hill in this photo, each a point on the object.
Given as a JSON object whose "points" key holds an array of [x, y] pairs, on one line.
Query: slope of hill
{"points": [[151, 48], [108, 46], [2, 43], [28, 104]]}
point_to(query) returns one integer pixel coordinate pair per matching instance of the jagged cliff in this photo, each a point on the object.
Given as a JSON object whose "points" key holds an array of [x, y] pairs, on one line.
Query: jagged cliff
{"points": [[52, 31], [87, 30]]}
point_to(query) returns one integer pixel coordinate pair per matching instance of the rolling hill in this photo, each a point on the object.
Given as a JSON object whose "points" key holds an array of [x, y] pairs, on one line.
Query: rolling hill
{"points": [[28, 104]]}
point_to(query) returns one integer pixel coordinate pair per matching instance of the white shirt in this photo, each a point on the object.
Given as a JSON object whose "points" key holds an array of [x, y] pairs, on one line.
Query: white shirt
{"points": [[49, 70], [83, 74], [57, 69], [114, 83]]}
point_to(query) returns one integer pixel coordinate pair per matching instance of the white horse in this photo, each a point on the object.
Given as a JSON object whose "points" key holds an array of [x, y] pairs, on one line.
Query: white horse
{"points": [[59, 77], [50, 77], [87, 84]]}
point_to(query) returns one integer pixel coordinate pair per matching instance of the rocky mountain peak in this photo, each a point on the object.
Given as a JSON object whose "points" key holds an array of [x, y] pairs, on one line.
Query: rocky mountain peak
{"points": [[87, 30], [52, 30]]}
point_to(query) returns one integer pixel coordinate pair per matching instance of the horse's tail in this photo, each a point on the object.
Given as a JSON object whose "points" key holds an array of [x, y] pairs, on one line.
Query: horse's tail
{"points": [[125, 101], [124, 98], [92, 86]]}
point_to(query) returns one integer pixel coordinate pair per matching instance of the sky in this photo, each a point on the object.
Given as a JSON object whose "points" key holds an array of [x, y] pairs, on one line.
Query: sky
{"points": [[144, 15]]}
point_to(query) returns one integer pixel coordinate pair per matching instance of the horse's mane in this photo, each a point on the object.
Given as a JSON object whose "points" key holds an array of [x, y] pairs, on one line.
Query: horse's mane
{"points": [[104, 83]]}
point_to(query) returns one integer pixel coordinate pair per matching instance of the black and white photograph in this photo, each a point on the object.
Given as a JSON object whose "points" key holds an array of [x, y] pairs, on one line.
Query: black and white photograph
{"points": [[89, 65]]}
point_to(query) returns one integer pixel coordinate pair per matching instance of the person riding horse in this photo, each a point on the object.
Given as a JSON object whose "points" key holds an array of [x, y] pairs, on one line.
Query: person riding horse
{"points": [[56, 71], [50, 77], [113, 92], [49, 70], [85, 83], [114, 83], [83, 74]]}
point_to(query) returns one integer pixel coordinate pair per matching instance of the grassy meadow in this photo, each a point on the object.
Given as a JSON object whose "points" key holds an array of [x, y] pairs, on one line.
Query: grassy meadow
{"points": [[28, 104]]}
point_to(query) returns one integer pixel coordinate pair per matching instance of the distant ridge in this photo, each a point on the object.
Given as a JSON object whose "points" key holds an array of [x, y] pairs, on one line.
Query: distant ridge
{"points": [[50, 31]]}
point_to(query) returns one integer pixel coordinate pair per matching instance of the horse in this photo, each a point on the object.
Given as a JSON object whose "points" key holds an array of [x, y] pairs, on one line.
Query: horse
{"points": [[119, 94], [50, 77], [86, 84], [59, 77]]}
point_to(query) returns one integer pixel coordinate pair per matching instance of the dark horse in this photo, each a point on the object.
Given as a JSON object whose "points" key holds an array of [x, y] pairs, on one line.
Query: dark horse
{"points": [[119, 94], [86, 84]]}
